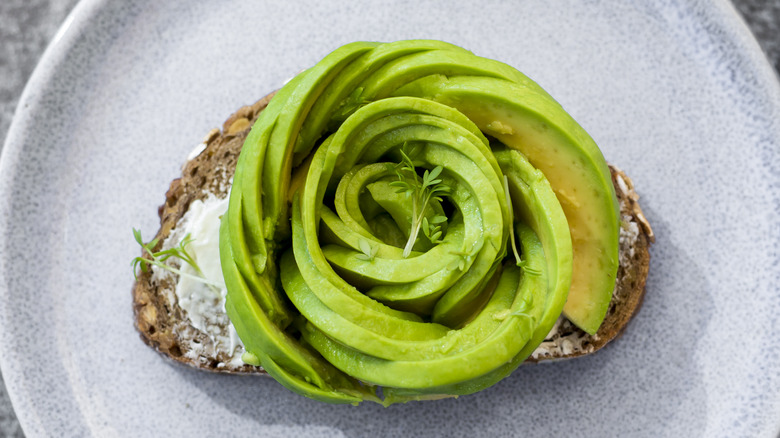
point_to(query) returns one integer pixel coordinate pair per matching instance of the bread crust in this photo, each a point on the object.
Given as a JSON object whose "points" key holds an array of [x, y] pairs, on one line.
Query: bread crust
{"points": [[164, 326]]}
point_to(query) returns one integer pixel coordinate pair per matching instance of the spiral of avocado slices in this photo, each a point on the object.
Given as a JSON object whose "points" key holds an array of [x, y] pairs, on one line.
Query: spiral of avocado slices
{"points": [[329, 284]]}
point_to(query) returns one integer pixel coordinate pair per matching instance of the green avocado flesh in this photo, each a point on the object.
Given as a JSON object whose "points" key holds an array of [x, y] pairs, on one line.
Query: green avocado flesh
{"points": [[411, 217]]}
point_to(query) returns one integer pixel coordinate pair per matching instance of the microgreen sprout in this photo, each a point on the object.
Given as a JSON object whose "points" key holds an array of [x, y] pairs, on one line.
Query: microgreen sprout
{"points": [[432, 229], [464, 258], [159, 259], [421, 191], [369, 250]]}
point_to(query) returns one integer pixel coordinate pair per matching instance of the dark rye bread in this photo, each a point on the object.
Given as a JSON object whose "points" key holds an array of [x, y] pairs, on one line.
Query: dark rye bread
{"points": [[164, 326]]}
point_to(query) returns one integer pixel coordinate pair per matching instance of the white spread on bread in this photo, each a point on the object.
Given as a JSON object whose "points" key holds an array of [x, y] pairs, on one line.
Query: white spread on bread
{"points": [[204, 307]]}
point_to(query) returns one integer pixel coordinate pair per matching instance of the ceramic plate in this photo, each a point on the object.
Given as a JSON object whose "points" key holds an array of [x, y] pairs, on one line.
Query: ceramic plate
{"points": [[676, 93]]}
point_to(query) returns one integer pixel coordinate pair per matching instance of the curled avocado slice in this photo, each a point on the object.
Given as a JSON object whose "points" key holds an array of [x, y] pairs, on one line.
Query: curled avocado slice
{"points": [[523, 119], [411, 216]]}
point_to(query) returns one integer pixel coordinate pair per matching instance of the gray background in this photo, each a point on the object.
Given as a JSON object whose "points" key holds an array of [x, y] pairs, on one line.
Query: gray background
{"points": [[27, 26]]}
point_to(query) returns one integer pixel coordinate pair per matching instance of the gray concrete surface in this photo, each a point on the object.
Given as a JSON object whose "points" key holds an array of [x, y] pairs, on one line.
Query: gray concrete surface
{"points": [[27, 26]]}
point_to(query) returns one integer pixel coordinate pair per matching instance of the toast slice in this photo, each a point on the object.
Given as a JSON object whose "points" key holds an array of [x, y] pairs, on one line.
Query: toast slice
{"points": [[166, 327]]}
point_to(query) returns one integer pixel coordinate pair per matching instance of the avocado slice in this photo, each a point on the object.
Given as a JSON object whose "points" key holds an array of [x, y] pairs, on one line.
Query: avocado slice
{"points": [[492, 339], [282, 356], [535, 204], [537, 126]]}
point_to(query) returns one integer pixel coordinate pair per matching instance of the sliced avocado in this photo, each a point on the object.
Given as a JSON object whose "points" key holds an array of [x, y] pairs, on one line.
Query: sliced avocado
{"points": [[457, 317], [493, 338], [281, 355], [537, 126], [534, 203], [386, 356], [453, 142]]}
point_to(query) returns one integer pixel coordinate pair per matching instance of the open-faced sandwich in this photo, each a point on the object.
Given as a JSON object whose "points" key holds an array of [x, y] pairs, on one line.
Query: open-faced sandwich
{"points": [[401, 221]]}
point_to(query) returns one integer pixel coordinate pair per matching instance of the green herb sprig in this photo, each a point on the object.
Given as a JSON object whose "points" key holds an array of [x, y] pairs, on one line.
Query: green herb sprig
{"points": [[159, 259], [369, 250], [432, 230], [421, 191], [459, 263]]}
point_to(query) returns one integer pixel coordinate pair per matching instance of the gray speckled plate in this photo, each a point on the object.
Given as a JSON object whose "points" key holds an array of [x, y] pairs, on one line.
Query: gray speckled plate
{"points": [[676, 92]]}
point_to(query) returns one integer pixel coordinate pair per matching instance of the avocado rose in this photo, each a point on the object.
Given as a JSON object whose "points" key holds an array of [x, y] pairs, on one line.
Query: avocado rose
{"points": [[413, 217]]}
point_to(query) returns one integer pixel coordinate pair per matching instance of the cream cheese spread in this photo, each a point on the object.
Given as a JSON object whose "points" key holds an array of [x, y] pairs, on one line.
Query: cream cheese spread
{"points": [[202, 294]]}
